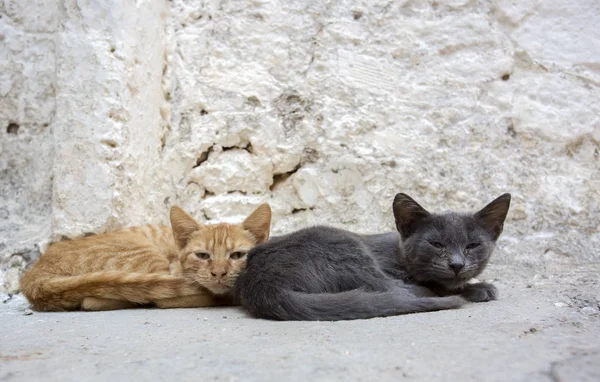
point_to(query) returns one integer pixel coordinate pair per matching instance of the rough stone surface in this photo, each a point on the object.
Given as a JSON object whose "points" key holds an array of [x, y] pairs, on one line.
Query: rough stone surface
{"points": [[112, 111], [27, 109], [107, 167]]}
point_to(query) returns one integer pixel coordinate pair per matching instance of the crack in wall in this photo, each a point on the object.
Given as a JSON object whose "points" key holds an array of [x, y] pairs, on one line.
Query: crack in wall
{"points": [[278, 179]]}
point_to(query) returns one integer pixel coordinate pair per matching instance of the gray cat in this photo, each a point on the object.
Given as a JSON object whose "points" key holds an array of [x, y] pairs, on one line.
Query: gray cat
{"points": [[327, 274]]}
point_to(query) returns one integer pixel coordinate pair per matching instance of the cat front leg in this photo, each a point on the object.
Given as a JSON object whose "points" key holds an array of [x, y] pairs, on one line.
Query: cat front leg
{"points": [[479, 292], [97, 304], [418, 290], [193, 301]]}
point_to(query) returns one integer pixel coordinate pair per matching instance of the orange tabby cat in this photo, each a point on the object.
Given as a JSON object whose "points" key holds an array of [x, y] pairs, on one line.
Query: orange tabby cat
{"points": [[188, 265]]}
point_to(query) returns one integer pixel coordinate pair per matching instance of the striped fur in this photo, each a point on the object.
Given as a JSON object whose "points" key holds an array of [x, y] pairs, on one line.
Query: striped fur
{"points": [[145, 265]]}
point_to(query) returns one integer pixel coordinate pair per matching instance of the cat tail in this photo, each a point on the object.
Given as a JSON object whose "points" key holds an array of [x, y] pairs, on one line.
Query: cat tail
{"points": [[349, 305], [57, 293]]}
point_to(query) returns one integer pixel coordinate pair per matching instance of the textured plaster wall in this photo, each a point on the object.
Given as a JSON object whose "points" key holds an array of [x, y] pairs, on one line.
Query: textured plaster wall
{"points": [[323, 109], [28, 60]]}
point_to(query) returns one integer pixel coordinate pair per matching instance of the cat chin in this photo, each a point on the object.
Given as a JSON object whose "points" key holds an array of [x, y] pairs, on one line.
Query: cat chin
{"points": [[218, 289], [449, 282]]}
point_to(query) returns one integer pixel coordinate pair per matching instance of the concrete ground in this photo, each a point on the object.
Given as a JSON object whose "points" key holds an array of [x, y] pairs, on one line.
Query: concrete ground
{"points": [[543, 331]]}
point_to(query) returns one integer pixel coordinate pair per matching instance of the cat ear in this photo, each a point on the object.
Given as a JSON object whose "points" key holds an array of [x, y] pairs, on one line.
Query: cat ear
{"points": [[492, 216], [259, 223], [183, 226], [407, 213]]}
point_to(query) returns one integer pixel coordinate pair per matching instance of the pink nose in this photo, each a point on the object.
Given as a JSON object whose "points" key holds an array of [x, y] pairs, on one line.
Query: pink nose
{"points": [[218, 273]]}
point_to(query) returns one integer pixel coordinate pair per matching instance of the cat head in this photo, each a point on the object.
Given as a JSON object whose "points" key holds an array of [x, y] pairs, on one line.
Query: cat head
{"points": [[214, 255], [451, 248]]}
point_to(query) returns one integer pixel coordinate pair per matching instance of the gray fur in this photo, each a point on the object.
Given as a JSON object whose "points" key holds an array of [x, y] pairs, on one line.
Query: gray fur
{"points": [[324, 273]]}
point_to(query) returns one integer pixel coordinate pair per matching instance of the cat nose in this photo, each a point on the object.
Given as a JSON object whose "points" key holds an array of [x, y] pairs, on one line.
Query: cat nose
{"points": [[456, 265], [218, 273]]}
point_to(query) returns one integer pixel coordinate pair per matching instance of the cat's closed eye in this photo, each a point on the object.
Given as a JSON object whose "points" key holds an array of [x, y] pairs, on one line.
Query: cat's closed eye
{"points": [[237, 255], [436, 244], [202, 255], [473, 245]]}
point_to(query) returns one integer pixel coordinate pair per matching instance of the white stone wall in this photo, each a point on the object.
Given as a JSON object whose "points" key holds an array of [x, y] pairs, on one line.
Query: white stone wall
{"points": [[324, 109], [108, 124], [27, 111]]}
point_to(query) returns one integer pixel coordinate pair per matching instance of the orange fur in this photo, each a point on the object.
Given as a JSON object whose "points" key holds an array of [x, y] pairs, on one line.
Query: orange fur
{"points": [[187, 265]]}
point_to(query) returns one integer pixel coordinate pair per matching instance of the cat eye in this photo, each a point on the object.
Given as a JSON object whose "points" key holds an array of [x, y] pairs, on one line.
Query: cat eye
{"points": [[202, 255], [437, 244], [473, 245], [237, 255]]}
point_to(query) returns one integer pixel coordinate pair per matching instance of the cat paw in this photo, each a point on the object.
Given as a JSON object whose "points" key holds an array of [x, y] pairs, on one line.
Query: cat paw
{"points": [[480, 292]]}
